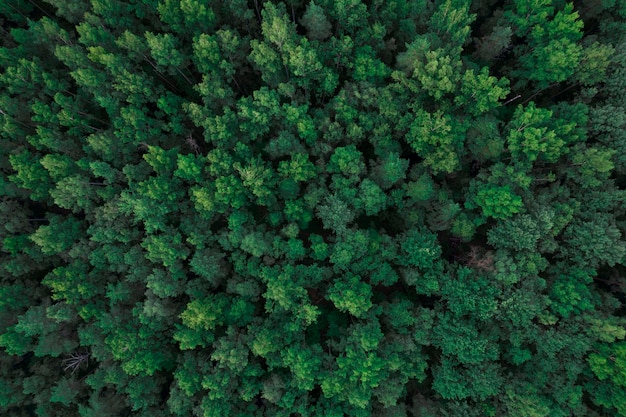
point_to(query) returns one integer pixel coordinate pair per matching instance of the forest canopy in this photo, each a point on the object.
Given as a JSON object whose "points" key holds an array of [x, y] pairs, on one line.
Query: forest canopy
{"points": [[325, 208]]}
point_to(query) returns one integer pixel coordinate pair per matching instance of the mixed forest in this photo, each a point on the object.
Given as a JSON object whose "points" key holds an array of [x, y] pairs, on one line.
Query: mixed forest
{"points": [[324, 208]]}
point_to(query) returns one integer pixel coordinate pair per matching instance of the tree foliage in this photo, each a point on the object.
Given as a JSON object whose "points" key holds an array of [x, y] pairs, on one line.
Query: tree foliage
{"points": [[314, 208]]}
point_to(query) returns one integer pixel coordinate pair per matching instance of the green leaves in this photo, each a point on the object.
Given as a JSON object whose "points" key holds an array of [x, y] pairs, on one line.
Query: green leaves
{"points": [[608, 363], [527, 13], [420, 249], [164, 50], [498, 202], [258, 179], [481, 92], [469, 293], [58, 236], [455, 382], [373, 197], [186, 16], [571, 293], [436, 71], [451, 23], [595, 166], [493, 44], [437, 138], [189, 168], [72, 284], [285, 57], [517, 233], [556, 61], [205, 314], [315, 21], [165, 248], [30, 174], [347, 160], [141, 352], [304, 364], [312, 208], [463, 341], [335, 214], [530, 137], [594, 242], [552, 53], [351, 295], [161, 160], [299, 168]]}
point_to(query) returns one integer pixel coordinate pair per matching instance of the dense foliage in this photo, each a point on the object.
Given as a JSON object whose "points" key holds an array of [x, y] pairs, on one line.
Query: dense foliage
{"points": [[312, 208]]}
